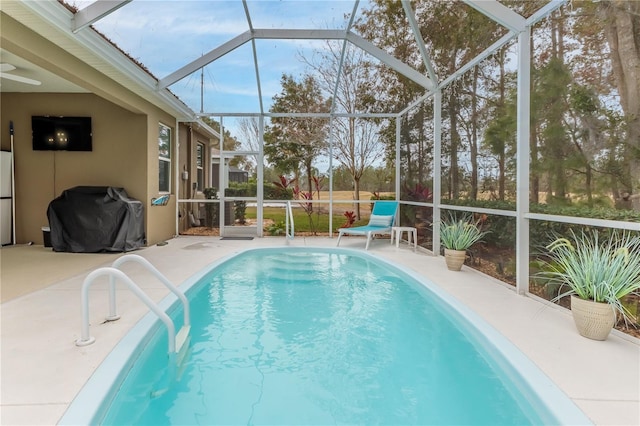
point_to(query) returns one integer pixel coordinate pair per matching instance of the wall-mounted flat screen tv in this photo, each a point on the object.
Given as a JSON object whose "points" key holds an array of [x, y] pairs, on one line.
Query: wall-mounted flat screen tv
{"points": [[61, 133]]}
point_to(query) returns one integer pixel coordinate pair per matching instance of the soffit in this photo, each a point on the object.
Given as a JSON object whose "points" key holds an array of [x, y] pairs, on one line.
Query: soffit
{"points": [[50, 82]]}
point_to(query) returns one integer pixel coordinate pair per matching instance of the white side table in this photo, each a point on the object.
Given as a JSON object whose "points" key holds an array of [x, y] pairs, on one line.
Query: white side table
{"points": [[396, 232]]}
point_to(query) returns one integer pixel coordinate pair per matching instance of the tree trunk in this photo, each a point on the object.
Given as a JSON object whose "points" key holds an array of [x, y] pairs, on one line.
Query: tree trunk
{"points": [[406, 139], [554, 132], [356, 191], [622, 29], [474, 135], [453, 117], [534, 179], [309, 167], [501, 156], [613, 168], [588, 184], [560, 170], [422, 172], [534, 172]]}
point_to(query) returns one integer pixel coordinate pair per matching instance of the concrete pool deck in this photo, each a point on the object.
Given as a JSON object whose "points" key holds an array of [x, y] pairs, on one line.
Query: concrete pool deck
{"points": [[42, 370]]}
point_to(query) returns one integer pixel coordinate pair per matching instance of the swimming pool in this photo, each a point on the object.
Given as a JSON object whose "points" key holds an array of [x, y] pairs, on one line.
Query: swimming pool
{"points": [[313, 336]]}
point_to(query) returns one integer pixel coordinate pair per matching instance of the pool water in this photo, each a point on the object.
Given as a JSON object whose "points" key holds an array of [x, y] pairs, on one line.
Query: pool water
{"points": [[318, 337]]}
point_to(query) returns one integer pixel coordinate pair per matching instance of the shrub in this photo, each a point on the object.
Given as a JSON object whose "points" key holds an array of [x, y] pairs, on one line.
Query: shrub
{"points": [[276, 229], [591, 268], [460, 233], [211, 210], [540, 231]]}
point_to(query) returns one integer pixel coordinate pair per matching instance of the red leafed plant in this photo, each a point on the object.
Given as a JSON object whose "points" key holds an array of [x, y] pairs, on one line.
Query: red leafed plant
{"points": [[419, 193], [351, 218], [283, 183], [298, 194], [306, 198], [307, 205], [317, 181]]}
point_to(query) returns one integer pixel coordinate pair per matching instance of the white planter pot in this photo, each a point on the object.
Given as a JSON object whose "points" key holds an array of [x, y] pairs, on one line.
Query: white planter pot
{"points": [[594, 320], [454, 259]]}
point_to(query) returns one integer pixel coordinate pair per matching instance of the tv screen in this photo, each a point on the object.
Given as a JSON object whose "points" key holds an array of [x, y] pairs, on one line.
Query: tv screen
{"points": [[61, 133]]}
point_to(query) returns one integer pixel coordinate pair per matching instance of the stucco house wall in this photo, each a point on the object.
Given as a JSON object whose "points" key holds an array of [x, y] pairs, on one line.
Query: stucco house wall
{"points": [[125, 138], [118, 157], [190, 135]]}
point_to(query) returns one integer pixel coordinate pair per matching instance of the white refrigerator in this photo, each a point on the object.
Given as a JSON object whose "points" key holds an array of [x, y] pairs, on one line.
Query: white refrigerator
{"points": [[5, 198]]}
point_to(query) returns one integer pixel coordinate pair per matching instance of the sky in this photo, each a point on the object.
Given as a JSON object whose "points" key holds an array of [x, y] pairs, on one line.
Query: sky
{"points": [[166, 35]]}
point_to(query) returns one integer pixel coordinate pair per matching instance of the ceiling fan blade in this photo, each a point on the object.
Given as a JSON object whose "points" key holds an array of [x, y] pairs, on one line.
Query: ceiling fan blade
{"points": [[6, 67], [19, 79]]}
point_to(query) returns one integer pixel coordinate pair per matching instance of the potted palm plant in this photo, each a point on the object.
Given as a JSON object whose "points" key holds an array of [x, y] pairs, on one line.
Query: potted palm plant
{"points": [[596, 274], [457, 235]]}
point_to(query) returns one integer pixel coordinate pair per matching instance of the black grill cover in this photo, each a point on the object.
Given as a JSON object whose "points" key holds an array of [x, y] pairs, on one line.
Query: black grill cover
{"points": [[93, 219]]}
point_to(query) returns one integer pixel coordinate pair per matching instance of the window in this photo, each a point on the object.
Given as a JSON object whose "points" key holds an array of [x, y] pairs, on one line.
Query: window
{"points": [[200, 165], [164, 154]]}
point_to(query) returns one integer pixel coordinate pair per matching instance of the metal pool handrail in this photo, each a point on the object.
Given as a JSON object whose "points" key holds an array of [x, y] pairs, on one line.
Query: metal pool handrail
{"points": [[86, 338], [289, 223], [113, 272], [144, 262]]}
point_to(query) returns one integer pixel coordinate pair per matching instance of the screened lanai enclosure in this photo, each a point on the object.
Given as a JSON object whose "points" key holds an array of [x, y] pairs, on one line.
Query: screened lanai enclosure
{"points": [[523, 114]]}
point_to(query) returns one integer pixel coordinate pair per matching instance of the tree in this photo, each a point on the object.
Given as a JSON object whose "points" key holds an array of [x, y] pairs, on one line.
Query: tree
{"points": [[249, 129], [229, 143], [500, 130], [622, 28], [384, 24], [293, 143], [585, 127], [355, 141], [500, 135], [588, 52], [575, 133], [553, 87]]}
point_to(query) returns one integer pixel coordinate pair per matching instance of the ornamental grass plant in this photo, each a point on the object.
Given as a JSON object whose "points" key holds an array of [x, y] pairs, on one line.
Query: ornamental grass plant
{"points": [[603, 271], [461, 233]]}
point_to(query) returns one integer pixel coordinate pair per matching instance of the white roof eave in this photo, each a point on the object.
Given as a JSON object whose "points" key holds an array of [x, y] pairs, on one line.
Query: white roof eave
{"points": [[93, 49]]}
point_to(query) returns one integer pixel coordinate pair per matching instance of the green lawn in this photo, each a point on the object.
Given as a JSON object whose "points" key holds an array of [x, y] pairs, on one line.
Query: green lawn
{"points": [[301, 219]]}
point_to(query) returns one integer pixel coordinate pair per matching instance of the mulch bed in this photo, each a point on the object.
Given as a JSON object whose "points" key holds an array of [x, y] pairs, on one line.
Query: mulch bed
{"points": [[202, 231]]}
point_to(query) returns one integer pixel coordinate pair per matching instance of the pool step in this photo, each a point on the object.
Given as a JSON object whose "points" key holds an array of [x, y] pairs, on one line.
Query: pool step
{"points": [[290, 266], [291, 259], [177, 362], [183, 339], [283, 275]]}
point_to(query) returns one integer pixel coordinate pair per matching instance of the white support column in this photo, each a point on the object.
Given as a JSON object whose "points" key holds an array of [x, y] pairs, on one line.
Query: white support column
{"points": [[398, 162], [522, 161], [94, 12], [175, 164], [221, 180], [260, 172], [331, 133], [437, 168]]}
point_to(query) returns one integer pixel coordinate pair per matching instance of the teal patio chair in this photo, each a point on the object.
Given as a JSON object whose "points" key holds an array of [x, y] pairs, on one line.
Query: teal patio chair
{"points": [[382, 218]]}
